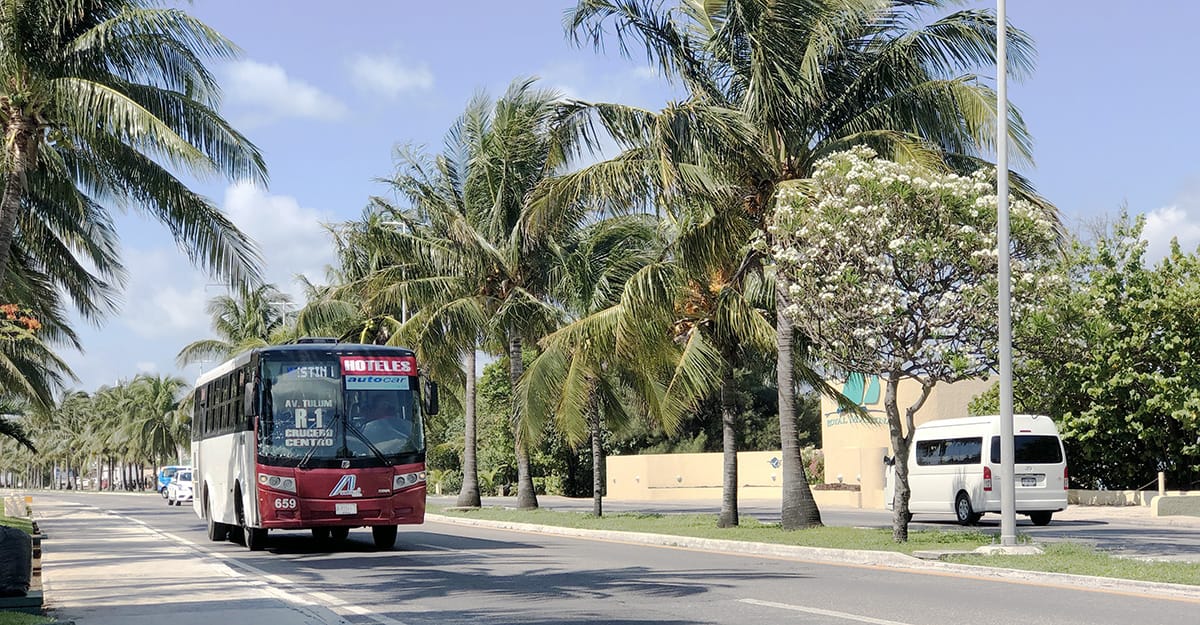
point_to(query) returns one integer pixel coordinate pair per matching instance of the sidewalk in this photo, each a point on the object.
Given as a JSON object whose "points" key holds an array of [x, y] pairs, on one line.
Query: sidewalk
{"points": [[102, 569]]}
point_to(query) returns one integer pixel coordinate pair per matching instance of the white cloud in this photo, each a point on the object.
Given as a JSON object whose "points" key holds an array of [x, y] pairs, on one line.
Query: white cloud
{"points": [[1179, 221], [291, 238], [269, 94], [165, 295], [388, 76]]}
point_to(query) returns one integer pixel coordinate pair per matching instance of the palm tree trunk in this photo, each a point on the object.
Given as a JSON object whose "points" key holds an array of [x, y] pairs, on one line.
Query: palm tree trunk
{"points": [[17, 158], [468, 496], [798, 509], [597, 459], [526, 497], [729, 483]]}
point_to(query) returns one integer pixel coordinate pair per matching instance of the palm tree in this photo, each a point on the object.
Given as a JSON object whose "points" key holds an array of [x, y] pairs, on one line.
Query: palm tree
{"points": [[155, 412], [476, 273], [253, 318], [95, 97], [11, 425], [772, 89], [578, 379]]}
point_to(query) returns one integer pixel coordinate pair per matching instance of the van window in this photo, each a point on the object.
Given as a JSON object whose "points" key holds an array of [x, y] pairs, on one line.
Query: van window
{"points": [[1031, 449], [949, 451]]}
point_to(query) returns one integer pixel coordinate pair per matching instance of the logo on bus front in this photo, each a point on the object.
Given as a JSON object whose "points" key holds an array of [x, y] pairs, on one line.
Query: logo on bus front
{"points": [[347, 486], [378, 365], [383, 373]]}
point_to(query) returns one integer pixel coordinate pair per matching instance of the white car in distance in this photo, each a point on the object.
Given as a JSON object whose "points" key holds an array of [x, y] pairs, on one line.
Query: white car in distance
{"points": [[179, 489]]}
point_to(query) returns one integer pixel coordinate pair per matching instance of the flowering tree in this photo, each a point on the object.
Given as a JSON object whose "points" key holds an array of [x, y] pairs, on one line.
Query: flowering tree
{"points": [[891, 270]]}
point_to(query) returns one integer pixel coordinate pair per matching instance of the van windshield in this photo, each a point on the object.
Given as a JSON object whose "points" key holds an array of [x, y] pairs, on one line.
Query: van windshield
{"points": [[1031, 449]]}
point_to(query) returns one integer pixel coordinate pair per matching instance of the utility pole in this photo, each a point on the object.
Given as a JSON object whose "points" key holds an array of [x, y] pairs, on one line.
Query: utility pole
{"points": [[1008, 487]]}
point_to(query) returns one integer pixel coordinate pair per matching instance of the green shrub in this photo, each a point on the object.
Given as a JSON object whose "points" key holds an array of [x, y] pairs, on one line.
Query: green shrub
{"points": [[450, 482], [814, 465], [443, 457]]}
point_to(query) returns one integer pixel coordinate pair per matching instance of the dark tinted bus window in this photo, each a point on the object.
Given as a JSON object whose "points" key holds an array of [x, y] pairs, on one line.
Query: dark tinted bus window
{"points": [[1031, 449]]}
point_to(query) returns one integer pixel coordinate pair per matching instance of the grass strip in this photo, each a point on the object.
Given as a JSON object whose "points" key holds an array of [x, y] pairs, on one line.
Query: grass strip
{"points": [[749, 529], [20, 618], [1059, 557], [1080, 559], [18, 522]]}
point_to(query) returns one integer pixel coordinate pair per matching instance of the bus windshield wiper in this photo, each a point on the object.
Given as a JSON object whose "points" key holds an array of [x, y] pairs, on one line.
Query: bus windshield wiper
{"points": [[308, 454], [353, 429]]}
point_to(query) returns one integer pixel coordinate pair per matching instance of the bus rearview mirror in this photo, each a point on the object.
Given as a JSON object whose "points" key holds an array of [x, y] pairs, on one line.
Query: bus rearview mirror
{"points": [[431, 398], [248, 403]]}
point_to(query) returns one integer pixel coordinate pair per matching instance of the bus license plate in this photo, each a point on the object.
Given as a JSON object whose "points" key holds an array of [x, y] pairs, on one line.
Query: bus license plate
{"points": [[1025, 481], [345, 508]]}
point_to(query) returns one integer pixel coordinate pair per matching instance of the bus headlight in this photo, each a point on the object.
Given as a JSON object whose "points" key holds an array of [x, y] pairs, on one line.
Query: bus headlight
{"points": [[404, 480], [286, 484]]}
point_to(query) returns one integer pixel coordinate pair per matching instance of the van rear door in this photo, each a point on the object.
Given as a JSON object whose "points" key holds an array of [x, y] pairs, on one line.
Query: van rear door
{"points": [[1038, 470]]}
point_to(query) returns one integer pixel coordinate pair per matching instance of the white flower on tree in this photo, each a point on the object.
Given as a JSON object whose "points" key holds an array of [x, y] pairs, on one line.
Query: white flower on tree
{"points": [[892, 269]]}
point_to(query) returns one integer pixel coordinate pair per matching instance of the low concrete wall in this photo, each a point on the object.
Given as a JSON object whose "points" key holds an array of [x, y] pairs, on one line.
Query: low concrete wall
{"points": [[681, 477], [838, 498], [1175, 505], [1077, 497]]}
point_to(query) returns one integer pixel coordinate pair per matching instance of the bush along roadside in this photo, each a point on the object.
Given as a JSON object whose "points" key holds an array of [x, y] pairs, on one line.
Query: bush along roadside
{"points": [[20, 560]]}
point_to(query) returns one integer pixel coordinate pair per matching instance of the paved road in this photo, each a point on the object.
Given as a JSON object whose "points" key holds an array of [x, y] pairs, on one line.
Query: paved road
{"points": [[1129, 531], [454, 574]]}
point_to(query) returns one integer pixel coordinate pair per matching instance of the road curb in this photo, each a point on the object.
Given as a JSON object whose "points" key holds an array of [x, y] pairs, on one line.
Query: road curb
{"points": [[882, 559]]}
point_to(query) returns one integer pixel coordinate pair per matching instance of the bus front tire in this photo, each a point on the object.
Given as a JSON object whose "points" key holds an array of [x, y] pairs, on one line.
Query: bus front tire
{"points": [[255, 538], [1041, 518], [384, 536], [320, 534], [342, 533]]}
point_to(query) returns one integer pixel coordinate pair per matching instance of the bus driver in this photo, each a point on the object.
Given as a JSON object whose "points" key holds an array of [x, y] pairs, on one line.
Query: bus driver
{"points": [[384, 426]]}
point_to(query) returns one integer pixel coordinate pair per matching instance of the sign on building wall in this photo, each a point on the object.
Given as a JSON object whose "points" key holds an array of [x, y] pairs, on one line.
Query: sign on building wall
{"points": [[863, 390]]}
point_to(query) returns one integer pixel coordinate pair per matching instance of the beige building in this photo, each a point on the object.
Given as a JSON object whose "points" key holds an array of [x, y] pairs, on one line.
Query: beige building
{"points": [[853, 448]]}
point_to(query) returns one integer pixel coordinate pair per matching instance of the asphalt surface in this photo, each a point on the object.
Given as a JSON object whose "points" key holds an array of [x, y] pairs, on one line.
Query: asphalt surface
{"points": [[131, 559]]}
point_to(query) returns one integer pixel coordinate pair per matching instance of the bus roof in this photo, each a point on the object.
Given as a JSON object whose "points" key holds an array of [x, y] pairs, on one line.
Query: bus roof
{"points": [[346, 349]]}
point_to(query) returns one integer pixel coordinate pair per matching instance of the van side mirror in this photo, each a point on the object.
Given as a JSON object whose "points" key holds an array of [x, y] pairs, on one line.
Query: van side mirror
{"points": [[431, 398]]}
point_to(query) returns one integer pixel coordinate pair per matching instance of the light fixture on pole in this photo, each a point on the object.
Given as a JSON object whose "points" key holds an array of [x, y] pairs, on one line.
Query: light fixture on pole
{"points": [[1008, 487], [400, 226]]}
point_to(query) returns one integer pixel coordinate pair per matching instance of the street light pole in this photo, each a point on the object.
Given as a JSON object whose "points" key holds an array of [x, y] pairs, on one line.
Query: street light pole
{"points": [[1008, 487]]}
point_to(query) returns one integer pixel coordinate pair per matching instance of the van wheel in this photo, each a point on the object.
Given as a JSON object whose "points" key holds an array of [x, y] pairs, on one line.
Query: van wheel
{"points": [[963, 510], [1040, 518]]}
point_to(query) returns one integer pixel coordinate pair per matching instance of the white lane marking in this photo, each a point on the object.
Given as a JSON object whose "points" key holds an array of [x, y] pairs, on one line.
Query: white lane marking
{"points": [[435, 547], [820, 612], [299, 594]]}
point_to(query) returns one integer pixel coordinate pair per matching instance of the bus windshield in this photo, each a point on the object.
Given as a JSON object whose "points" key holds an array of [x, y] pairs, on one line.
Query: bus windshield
{"points": [[310, 415]]}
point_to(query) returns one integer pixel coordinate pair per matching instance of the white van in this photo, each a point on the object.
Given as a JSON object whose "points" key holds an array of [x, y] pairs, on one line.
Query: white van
{"points": [[952, 462]]}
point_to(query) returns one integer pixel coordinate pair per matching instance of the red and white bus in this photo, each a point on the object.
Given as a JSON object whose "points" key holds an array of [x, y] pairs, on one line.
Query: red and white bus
{"points": [[317, 435]]}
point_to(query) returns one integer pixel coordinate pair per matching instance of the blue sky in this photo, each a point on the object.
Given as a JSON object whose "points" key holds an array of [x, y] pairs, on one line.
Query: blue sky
{"points": [[327, 90]]}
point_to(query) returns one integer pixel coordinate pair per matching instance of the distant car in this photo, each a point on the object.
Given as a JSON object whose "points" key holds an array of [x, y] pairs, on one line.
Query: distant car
{"points": [[179, 489], [164, 478]]}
